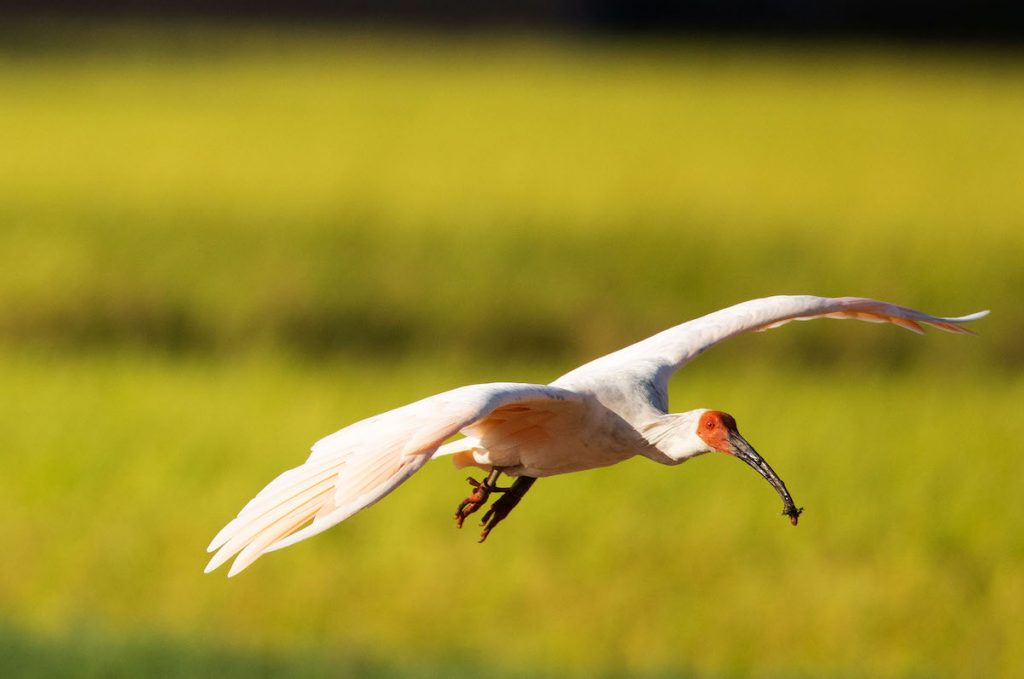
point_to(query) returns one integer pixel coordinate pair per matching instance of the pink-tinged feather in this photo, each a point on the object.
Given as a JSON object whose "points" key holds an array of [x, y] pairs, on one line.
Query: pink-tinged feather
{"points": [[281, 528], [250, 527], [358, 465]]}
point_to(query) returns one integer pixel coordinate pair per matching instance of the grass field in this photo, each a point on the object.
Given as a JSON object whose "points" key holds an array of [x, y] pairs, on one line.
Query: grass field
{"points": [[218, 245], [218, 189], [911, 546]]}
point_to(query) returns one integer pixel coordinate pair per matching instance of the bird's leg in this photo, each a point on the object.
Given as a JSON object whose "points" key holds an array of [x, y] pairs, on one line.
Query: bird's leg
{"points": [[505, 504], [478, 498]]}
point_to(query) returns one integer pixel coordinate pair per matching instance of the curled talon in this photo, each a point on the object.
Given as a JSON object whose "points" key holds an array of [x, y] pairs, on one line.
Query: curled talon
{"points": [[477, 499]]}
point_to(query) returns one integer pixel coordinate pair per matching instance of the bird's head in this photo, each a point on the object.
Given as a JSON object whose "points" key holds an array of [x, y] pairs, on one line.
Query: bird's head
{"points": [[706, 431]]}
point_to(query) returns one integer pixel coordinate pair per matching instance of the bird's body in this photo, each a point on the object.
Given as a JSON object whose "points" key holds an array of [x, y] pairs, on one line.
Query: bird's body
{"points": [[601, 413], [545, 438]]}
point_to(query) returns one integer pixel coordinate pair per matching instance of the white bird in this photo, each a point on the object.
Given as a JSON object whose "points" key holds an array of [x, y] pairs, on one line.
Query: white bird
{"points": [[604, 412]]}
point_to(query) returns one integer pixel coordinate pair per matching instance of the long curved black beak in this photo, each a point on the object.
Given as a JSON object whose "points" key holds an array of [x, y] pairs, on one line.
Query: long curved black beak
{"points": [[746, 452]]}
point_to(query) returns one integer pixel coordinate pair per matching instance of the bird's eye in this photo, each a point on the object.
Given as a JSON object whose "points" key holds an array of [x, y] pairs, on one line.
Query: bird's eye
{"points": [[710, 424]]}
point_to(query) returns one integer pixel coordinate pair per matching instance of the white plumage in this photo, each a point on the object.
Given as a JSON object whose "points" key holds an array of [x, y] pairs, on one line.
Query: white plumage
{"points": [[601, 413]]}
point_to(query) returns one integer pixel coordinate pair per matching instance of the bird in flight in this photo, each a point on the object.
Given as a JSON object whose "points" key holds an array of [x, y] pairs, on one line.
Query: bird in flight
{"points": [[606, 411]]}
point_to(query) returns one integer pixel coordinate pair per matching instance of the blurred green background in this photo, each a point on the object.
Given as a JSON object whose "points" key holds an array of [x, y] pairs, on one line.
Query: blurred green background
{"points": [[218, 244]]}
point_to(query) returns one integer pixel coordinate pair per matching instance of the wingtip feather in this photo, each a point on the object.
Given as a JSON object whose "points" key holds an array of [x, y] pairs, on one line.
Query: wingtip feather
{"points": [[972, 317], [910, 325], [222, 536], [955, 324], [217, 561]]}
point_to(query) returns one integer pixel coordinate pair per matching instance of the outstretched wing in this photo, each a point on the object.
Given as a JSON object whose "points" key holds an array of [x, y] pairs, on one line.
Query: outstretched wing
{"points": [[358, 465], [655, 359]]}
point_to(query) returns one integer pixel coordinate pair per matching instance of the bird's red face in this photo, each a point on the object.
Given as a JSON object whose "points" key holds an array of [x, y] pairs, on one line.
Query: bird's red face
{"points": [[718, 430]]}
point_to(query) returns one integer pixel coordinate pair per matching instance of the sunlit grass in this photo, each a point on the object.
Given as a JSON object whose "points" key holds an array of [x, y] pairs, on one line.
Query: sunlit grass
{"points": [[333, 192], [119, 470], [217, 246], [420, 130]]}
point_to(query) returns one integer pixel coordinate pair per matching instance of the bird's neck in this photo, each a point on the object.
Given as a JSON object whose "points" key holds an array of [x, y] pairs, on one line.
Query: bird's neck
{"points": [[673, 438]]}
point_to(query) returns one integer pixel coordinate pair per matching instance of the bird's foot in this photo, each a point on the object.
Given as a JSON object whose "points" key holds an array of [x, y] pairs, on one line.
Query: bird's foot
{"points": [[505, 504], [478, 498]]}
